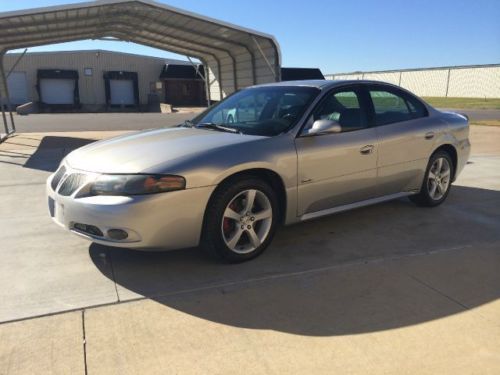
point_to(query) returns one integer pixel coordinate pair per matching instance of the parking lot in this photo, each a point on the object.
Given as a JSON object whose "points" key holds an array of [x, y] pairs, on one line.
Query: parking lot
{"points": [[391, 287]]}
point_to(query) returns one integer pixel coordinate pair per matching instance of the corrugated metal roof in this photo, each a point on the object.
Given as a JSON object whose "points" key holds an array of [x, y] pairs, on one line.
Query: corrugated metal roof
{"points": [[236, 57]]}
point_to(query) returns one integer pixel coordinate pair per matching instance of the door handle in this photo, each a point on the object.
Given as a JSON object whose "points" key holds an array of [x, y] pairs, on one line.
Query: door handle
{"points": [[366, 150], [429, 135]]}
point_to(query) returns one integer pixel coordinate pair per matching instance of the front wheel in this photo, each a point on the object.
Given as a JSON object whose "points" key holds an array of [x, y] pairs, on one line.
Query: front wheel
{"points": [[437, 181], [240, 220]]}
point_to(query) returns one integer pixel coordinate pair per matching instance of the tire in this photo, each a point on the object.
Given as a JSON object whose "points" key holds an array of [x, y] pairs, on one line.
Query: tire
{"points": [[435, 190], [227, 216]]}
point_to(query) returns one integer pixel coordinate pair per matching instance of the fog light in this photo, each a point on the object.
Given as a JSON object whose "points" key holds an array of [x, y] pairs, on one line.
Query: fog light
{"points": [[117, 234], [88, 229]]}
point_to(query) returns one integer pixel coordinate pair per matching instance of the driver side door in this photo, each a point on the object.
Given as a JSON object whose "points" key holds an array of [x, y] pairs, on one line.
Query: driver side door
{"points": [[340, 168]]}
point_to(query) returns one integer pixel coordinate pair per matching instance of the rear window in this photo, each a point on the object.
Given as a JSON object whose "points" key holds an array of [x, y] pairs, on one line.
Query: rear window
{"points": [[391, 107]]}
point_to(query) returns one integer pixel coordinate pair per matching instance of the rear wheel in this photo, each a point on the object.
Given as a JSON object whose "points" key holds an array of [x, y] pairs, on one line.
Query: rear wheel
{"points": [[437, 181], [240, 220]]}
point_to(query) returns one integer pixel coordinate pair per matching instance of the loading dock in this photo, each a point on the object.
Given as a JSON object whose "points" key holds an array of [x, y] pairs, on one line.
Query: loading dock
{"points": [[58, 89], [122, 89]]}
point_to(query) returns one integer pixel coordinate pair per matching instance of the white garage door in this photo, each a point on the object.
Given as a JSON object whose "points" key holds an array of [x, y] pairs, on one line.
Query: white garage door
{"points": [[18, 88], [57, 90], [122, 92]]}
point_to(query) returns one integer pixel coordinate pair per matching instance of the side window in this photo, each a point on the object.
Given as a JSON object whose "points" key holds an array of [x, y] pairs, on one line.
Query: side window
{"points": [[343, 107], [417, 109], [390, 107]]}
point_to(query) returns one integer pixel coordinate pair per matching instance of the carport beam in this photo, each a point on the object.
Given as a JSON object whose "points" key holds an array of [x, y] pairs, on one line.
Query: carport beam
{"points": [[6, 93], [197, 67], [17, 62], [4, 122], [275, 74]]}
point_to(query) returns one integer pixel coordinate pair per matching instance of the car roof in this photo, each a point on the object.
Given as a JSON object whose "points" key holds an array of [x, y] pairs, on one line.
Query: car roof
{"points": [[322, 84]]}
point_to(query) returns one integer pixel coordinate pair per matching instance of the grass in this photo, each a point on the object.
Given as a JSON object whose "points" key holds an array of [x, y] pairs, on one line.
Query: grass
{"points": [[463, 103], [485, 122]]}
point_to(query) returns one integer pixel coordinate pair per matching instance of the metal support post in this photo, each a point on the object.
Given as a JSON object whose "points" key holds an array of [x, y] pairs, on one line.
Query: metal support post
{"points": [[205, 78], [273, 70]]}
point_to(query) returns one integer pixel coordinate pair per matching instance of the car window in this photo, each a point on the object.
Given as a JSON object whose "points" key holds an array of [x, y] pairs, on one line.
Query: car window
{"points": [[343, 107], [264, 111], [390, 107]]}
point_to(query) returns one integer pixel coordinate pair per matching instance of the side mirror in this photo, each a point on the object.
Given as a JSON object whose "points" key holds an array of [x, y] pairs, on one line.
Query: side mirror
{"points": [[324, 127]]}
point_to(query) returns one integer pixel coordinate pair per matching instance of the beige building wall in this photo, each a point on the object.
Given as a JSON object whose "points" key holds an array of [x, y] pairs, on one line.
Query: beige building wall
{"points": [[92, 90], [454, 82]]}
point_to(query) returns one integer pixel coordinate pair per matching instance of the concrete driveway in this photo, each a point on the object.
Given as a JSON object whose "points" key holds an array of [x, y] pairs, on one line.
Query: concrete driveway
{"points": [[390, 288], [71, 122]]}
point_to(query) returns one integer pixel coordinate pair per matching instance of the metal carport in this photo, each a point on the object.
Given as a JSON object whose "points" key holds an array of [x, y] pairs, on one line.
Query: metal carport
{"points": [[235, 57]]}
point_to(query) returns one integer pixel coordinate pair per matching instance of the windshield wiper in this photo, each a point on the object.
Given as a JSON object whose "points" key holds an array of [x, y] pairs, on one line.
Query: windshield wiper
{"points": [[211, 125], [186, 124]]}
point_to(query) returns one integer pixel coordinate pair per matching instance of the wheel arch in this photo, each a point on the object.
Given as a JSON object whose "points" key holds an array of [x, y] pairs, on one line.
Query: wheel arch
{"points": [[265, 174], [452, 151]]}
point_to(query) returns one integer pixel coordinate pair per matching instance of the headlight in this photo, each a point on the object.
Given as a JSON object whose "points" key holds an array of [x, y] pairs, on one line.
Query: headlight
{"points": [[136, 184]]}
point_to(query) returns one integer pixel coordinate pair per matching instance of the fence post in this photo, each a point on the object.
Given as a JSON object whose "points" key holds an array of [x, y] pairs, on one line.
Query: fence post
{"points": [[448, 83]]}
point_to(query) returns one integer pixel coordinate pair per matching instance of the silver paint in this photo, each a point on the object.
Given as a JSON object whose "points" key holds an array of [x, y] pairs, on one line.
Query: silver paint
{"points": [[322, 173]]}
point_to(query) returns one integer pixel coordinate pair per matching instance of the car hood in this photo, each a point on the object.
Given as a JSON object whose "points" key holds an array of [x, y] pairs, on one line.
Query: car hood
{"points": [[143, 151]]}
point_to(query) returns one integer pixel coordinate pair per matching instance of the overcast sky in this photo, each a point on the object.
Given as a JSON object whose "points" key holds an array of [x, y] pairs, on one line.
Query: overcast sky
{"points": [[345, 35]]}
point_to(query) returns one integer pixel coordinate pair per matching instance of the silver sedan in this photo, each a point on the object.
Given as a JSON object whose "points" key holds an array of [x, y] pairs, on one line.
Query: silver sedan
{"points": [[266, 155]]}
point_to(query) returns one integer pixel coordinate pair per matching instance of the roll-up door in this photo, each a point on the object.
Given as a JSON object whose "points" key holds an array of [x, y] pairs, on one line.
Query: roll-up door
{"points": [[122, 89], [122, 92], [57, 90]]}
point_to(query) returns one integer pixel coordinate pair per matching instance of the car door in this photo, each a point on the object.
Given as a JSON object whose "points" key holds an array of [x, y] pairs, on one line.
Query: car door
{"points": [[405, 134], [337, 169]]}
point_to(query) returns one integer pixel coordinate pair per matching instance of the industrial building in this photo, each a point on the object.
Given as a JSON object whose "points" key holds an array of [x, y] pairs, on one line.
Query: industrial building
{"points": [[100, 80], [97, 80]]}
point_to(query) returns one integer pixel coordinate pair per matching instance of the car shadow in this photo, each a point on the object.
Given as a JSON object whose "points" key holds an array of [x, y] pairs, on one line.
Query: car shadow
{"points": [[48, 153], [371, 269]]}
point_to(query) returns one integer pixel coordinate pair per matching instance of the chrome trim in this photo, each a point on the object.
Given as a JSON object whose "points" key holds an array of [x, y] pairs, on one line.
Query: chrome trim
{"points": [[346, 207]]}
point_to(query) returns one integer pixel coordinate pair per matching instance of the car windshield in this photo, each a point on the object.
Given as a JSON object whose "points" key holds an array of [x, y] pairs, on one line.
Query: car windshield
{"points": [[266, 111]]}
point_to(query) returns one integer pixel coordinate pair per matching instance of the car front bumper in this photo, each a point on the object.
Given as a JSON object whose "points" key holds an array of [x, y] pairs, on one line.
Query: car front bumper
{"points": [[164, 221]]}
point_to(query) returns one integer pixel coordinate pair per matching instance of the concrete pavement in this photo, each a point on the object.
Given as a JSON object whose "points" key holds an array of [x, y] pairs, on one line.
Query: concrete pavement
{"points": [[411, 315], [384, 289], [70, 122]]}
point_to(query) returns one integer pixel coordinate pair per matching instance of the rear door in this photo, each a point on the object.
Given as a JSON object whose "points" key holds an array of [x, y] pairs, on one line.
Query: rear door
{"points": [[405, 134], [337, 169]]}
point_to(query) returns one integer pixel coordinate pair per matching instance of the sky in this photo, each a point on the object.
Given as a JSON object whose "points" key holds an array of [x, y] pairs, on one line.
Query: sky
{"points": [[344, 35]]}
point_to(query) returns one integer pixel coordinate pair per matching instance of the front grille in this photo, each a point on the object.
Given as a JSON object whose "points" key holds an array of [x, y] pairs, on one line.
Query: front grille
{"points": [[57, 177], [72, 183]]}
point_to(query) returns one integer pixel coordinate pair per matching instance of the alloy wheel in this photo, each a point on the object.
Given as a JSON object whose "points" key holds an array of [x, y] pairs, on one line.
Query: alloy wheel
{"points": [[439, 178], [247, 221]]}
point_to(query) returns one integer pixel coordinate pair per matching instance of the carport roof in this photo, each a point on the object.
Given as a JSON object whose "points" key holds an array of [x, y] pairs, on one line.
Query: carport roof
{"points": [[182, 71], [236, 56]]}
